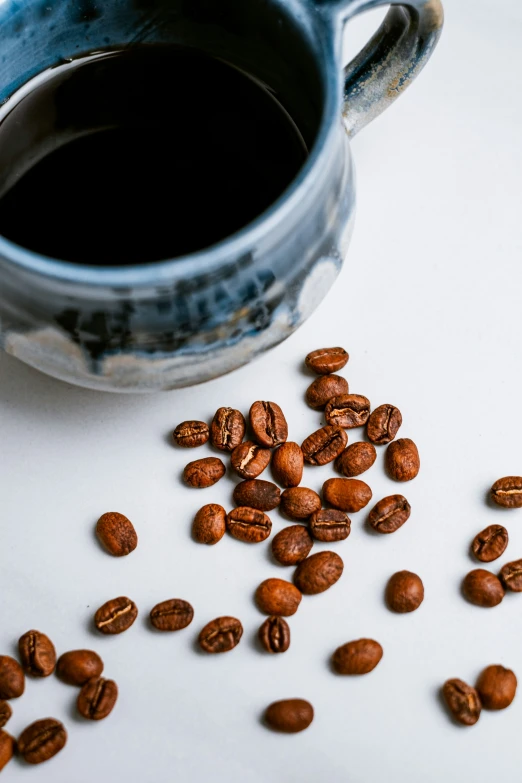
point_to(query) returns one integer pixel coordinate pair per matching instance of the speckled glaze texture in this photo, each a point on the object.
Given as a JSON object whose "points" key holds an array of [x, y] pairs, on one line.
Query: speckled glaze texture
{"points": [[184, 321]]}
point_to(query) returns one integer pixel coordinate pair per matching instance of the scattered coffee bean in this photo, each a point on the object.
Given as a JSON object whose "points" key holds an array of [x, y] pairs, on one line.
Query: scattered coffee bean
{"points": [[249, 460], [390, 514], [117, 534], [12, 680], [496, 687], [172, 615], [483, 588], [249, 525], [291, 545], [330, 525], [116, 616], [204, 472], [5, 712], [37, 654], [227, 429], [256, 493], [300, 502], [402, 460], [268, 424], [289, 716], [7, 748], [324, 445], [318, 572], [287, 465], [383, 424], [327, 360], [42, 740], [490, 544], [278, 597], [321, 391], [507, 492], [511, 576], [404, 592], [97, 698], [190, 434], [348, 411], [356, 459], [209, 524], [274, 635], [359, 657], [221, 635], [76, 667], [462, 701], [347, 494]]}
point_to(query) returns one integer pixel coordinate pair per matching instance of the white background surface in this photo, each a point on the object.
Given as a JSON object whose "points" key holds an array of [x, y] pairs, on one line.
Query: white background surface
{"points": [[428, 306]]}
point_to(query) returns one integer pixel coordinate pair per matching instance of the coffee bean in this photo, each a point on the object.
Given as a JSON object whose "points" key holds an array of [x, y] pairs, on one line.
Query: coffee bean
{"points": [[490, 544], [404, 592], [227, 429], [356, 459], [190, 434], [383, 424], [359, 657], [507, 492], [483, 588], [204, 472], [300, 502], [249, 460], [76, 667], [390, 514], [7, 748], [5, 712], [172, 615], [291, 545], [324, 445], [12, 680], [97, 698], [274, 635], [268, 424], [256, 493], [348, 411], [323, 389], [318, 572], [209, 524], [402, 460], [462, 701], [287, 464], [289, 716], [330, 525], [37, 654], [347, 494], [511, 576], [116, 616], [327, 360], [249, 525], [496, 687], [221, 635], [275, 596], [42, 740], [117, 534]]}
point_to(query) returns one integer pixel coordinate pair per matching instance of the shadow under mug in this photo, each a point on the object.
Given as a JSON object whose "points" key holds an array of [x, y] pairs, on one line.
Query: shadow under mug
{"points": [[180, 322]]}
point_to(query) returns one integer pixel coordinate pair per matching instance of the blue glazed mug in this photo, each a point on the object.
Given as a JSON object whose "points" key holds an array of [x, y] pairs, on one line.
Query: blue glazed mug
{"points": [[183, 321]]}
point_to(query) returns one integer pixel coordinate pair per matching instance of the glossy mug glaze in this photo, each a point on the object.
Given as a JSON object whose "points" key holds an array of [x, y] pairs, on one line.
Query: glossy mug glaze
{"points": [[183, 321]]}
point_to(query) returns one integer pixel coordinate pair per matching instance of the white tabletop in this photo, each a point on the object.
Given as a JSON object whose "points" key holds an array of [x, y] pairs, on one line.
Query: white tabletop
{"points": [[428, 305]]}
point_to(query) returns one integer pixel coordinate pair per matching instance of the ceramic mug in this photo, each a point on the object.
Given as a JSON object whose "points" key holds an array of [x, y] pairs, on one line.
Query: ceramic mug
{"points": [[183, 321]]}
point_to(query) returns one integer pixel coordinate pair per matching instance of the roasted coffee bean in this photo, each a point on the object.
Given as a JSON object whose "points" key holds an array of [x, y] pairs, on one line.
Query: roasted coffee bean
{"points": [[462, 701], [490, 544], [507, 492], [274, 635], [249, 525], [249, 460], [42, 740], [97, 698], [204, 472], [37, 654], [227, 429], [390, 514], [327, 360], [116, 616], [511, 576], [359, 657], [404, 592], [190, 434], [348, 411], [76, 667], [268, 424], [209, 524], [291, 545], [7, 748], [318, 572], [383, 424], [256, 493], [330, 525], [221, 635], [12, 680], [300, 502], [356, 459], [172, 615], [347, 494], [323, 389], [117, 534], [324, 445], [289, 716], [483, 588], [287, 465], [402, 460], [275, 596], [496, 687], [5, 712]]}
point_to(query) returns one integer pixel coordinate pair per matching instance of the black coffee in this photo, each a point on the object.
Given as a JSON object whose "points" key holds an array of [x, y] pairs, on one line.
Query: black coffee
{"points": [[138, 155]]}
